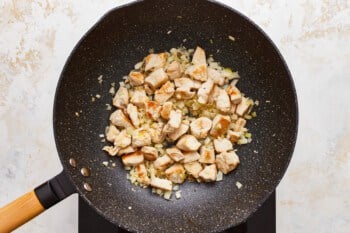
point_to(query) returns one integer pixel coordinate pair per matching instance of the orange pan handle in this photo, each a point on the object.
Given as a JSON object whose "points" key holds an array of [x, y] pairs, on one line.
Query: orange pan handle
{"points": [[35, 202], [19, 212]]}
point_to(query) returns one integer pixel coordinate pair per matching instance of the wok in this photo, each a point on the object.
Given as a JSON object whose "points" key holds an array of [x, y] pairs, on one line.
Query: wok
{"points": [[110, 48]]}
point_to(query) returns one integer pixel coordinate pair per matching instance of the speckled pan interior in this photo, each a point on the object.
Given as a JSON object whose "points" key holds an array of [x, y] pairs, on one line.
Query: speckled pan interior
{"points": [[111, 48]]}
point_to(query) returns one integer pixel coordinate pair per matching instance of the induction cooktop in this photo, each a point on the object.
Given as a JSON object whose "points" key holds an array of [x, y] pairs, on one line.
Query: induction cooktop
{"points": [[262, 221]]}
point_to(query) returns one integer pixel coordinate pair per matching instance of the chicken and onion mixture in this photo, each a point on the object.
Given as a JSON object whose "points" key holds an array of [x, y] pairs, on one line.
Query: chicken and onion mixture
{"points": [[178, 116]]}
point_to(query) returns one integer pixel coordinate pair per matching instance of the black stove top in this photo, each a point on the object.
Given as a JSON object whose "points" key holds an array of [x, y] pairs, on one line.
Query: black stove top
{"points": [[262, 221]]}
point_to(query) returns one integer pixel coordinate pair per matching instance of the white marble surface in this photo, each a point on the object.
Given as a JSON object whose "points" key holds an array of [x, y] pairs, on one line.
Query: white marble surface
{"points": [[37, 36]]}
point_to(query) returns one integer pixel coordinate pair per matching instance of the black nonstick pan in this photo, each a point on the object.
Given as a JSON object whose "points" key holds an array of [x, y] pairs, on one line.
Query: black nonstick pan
{"points": [[118, 41]]}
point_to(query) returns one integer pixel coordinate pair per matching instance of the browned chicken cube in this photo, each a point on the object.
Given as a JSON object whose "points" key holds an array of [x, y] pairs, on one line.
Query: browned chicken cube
{"points": [[188, 143], [153, 110], [178, 132], [166, 109], [175, 154], [155, 61], [161, 184], [174, 70], [193, 168], [190, 156], [227, 161], [141, 137], [164, 93], [220, 125], [132, 159], [119, 119], [200, 127], [208, 174], [141, 174], [207, 155], [161, 163], [176, 173], [136, 78], [156, 79], [121, 98], [150, 153]]}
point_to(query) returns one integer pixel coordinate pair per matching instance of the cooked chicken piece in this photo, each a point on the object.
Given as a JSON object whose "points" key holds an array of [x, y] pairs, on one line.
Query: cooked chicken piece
{"points": [[234, 93], [190, 156], [112, 150], [156, 79], [220, 125], [207, 155], [233, 136], [111, 133], [184, 88], [155, 61], [126, 150], [200, 127], [161, 163], [174, 70], [179, 132], [183, 93], [199, 57], [175, 154], [153, 109], [204, 91], [216, 76], [208, 174], [136, 78], [198, 70], [176, 174], [240, 123], [164, 93], [193, 168], [123, 139], [161, 184], [139, 98], [175, 119], [184, 82], [119, 119], [166, 109], [141, 137], [133, 114], [227, 161], [141, 174], [188, 143], [132, 159], [214, 94], [243, 107], [121, 98], [157, 133], [150, 153], [222, 145], [174, 122], [223, 101]]}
